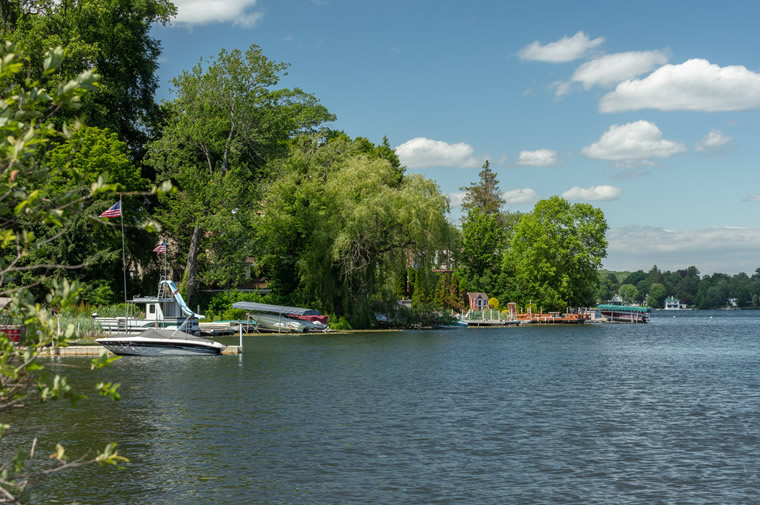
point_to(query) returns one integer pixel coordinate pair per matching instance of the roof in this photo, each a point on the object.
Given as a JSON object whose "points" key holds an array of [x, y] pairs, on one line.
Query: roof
{"points": [[274, 309], [477, 294]]}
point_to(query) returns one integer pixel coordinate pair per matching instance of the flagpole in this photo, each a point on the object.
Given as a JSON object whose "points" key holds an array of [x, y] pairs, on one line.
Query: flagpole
{"points": [[124, 267]]}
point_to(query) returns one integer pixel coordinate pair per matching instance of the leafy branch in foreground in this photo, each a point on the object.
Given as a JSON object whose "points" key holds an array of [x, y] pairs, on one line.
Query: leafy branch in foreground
{"points": [[26, 132]]}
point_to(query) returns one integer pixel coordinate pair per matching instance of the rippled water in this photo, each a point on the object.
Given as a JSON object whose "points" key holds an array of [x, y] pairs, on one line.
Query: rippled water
{"points": [[667, 412]]}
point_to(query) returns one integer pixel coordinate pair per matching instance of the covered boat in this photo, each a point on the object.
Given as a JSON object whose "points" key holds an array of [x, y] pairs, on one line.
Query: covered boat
{"points": [[280, 318]]}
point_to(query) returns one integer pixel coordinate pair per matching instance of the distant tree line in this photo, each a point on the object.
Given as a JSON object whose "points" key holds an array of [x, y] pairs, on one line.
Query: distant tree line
{"points": [[691, 289]]}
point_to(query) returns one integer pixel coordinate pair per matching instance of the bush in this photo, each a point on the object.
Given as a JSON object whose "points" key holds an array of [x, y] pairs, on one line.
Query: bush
{"points": [[342, 324]]}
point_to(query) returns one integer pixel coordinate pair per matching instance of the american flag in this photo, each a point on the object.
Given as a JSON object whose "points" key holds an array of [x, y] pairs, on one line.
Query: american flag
{"points": [[114, 211], [160, 248]]}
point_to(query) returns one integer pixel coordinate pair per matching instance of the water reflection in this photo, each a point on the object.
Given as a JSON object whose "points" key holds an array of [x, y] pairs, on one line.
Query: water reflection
{"points": [[659, 413]]}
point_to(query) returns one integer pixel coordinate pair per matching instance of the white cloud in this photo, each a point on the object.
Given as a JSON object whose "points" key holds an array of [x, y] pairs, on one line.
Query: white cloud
{"points": [[694, 85], [517, 196], [727, 250], [753, 198], [593, 193], [456, 199], [632, 141], [199, 12], [613, 68], [564, 50], [714, 141], [422, 152], [538, 158]]}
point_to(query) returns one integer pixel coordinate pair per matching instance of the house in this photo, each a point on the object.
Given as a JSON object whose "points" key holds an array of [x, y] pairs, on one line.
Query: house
{"points": [[477, 301], [672, 303]]}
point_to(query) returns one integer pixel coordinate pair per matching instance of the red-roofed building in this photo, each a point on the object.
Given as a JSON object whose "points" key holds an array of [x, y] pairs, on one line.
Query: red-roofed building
{"points": [[478, 301]]}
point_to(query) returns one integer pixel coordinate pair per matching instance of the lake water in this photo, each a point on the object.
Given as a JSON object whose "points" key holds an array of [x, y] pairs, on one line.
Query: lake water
{"points": [[667, 412]]}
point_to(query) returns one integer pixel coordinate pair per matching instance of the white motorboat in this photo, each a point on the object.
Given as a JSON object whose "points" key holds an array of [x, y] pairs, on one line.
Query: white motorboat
{"points": [[156, 342]]}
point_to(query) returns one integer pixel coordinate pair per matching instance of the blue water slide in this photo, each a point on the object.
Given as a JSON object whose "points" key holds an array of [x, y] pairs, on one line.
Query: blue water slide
{"points": [[180, 300]]}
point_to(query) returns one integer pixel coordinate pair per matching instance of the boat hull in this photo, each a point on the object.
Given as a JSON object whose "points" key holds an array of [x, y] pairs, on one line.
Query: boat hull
{"points": [[160, 343]]}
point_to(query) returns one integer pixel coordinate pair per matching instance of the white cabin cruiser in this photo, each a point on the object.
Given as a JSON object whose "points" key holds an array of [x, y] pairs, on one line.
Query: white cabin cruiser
{"points": [[166, 311]]}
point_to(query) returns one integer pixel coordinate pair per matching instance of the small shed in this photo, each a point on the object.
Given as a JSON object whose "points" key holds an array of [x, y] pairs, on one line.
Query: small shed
{"points": [[478, 301]]}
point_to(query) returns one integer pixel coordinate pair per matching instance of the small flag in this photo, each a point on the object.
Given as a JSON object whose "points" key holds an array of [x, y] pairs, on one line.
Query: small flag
{"points": [[114, 211], [160, 248]]}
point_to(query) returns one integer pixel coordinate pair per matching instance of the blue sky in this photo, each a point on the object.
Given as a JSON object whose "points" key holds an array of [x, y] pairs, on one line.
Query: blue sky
{"points": [[647, 110]]}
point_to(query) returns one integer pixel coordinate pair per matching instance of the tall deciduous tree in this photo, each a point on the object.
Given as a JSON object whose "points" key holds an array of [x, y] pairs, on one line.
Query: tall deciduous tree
{"points": [[339, 223], [111, 36], [483, 239], [656, 295], [226, 122], [555, 253]]}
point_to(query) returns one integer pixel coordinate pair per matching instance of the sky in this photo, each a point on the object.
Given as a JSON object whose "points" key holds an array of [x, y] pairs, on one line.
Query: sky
{"points": [[648, 110]]}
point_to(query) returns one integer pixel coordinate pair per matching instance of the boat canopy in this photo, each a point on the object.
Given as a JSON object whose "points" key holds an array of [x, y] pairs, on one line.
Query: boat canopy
{"points": [[274, 309]]}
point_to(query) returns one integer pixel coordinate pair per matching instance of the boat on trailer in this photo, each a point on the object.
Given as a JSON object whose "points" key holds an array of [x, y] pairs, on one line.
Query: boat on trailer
{"points": [[155, 342]]}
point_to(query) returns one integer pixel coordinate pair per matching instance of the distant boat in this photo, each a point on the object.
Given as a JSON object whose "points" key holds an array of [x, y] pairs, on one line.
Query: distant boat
{"points": [[155, 342]]}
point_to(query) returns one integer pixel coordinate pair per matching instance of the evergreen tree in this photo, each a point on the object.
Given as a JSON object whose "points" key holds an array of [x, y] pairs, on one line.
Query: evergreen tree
{"points": [[484, 196]]}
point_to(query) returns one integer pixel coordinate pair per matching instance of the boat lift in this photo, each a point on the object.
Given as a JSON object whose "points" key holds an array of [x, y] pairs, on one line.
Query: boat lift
{"points": [[279, 310]]}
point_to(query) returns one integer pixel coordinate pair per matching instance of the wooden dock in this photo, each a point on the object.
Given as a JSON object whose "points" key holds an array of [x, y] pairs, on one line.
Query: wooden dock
{"points": [[532, 318], [494, 322]]}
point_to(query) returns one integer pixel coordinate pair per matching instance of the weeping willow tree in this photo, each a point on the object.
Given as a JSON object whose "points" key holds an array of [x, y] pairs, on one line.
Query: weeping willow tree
{"points": [[339, 221]]}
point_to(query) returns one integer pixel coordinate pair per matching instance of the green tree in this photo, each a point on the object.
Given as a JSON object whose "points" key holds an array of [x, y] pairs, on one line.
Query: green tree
{"points": [[226, 122], [607, 286], [629, 293], [113, 36], [87, 156], [482, 243], [555, 253], [341, 224], [656, 296], [686, 290], [484, 195]]}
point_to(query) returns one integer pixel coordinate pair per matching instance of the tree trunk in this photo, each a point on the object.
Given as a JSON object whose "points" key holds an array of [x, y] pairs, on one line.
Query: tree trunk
{"points": [[192, 262]]}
